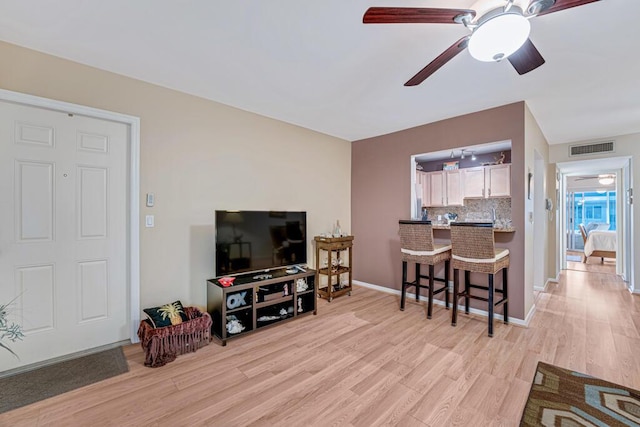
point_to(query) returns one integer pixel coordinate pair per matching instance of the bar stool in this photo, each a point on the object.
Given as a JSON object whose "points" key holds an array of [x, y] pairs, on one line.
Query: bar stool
{"points": [[473, 250], [416, 242]]}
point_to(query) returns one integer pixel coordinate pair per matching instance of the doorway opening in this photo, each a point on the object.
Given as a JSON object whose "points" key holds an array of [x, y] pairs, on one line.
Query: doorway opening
{"points": [[593, 217], [591, 212]]}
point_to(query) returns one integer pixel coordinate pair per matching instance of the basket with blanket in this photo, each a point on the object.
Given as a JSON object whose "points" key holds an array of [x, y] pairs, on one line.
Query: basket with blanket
{"points": [[172, 330]]}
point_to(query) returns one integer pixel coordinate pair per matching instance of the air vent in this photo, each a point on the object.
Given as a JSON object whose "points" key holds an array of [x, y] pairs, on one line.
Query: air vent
{"points": [[595, 148]]}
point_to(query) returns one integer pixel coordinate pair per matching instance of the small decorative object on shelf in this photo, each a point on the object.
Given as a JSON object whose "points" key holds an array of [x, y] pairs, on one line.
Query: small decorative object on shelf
{"points": [[337, 231], [233, 325], [226, 281], [301, 285], [425, 215], [336, 263], [448, 166], [236, 300], [335, 270]]}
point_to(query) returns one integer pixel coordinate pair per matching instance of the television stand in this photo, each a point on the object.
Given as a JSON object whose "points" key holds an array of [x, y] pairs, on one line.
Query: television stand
{"points": [[251, 304]]}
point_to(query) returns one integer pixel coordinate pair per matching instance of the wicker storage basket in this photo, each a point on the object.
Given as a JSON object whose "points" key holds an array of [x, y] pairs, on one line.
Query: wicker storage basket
{"points": [[163, 345]]}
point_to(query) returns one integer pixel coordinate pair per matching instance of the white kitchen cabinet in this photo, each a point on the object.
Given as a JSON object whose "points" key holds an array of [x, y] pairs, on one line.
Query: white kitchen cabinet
{"points": [[473, 182], [498, 180], [437, 188], [487, 181], [443, 188], [423, 179], [453, 185]]}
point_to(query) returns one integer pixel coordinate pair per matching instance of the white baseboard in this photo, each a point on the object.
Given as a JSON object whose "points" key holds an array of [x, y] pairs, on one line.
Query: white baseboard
{"points": [[530, 314], [472, 310], [376, 287], [549, 280]]}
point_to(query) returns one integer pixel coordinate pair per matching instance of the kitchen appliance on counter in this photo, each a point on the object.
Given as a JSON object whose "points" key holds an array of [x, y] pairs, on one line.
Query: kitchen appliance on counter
{"points": [[450, 217]]}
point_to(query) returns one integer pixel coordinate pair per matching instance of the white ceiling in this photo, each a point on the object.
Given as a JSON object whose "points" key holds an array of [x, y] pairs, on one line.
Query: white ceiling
{"points": [[316, 65]]}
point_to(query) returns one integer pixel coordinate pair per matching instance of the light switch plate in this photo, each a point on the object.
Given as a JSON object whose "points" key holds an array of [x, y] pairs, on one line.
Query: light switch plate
{"points": [[149, 221], [150, 200]]}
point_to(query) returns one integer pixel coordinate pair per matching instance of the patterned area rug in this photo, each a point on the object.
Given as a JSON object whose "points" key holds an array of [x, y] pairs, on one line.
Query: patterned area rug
{"points": [[560, 397]]}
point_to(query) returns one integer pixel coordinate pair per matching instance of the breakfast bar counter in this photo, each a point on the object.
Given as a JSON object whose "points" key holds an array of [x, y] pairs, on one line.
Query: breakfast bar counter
{"points": [[495, 230]]}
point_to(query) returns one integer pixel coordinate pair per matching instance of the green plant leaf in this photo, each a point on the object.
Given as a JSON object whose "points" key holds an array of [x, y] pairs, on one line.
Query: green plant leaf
{"points": [[9, 350]]}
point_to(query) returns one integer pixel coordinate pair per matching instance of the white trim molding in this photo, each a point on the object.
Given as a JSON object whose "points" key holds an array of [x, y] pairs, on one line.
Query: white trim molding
{"points": [[134, 183], [529, 315], [546, 283], [512, 320]]}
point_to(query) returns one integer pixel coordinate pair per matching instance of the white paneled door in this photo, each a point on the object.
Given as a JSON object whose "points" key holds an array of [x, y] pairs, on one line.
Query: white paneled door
{"points": [[63, 231]]}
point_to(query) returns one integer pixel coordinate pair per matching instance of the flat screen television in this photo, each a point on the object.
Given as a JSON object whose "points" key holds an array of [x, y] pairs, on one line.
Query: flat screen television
{"points": [[259, 240]]}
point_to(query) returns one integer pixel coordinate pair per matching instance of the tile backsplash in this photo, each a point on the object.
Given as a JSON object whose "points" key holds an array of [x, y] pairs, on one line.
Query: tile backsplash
{"points": [[475, 210]]}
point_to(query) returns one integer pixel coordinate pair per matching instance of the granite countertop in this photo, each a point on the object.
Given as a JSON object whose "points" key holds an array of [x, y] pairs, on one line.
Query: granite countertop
{"points": [[495, 230]]}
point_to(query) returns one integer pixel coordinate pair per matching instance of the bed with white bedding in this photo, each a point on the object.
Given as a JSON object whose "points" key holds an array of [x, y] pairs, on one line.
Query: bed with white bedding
{"points": [[602, 244]]}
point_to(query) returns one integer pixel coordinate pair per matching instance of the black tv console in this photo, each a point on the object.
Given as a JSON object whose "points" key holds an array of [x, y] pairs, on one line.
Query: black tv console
{"points": [[251, 304]]}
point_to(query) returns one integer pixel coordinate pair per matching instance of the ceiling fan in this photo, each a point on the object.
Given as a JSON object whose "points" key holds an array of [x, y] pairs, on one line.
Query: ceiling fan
{"points": [[603, 179], [499, 30]]}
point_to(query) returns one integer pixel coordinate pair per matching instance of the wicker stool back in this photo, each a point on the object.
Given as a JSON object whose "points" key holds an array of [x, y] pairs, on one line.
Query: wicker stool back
{"points": [[473, 250], [417, 246]]}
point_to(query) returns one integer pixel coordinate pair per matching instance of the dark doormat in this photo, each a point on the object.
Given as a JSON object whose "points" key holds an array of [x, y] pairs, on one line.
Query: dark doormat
{"points": [[39, 384]]}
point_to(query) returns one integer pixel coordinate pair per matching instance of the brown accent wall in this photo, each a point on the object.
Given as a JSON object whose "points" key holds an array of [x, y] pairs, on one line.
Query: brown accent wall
{"points": [[380, 192]]}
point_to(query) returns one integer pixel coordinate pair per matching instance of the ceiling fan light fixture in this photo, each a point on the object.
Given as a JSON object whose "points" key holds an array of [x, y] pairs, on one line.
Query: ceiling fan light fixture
{"points": [[499, 35], [606, 179], [537, 6]]}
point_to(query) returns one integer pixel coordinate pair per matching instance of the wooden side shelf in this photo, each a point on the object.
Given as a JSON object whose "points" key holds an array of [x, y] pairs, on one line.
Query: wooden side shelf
{"points": [[334, 246]]}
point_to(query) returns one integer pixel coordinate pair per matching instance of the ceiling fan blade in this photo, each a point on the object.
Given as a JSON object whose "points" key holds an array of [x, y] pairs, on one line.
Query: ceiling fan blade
{"points": [[413, 15], [565, 4], [526, 59], [442, 59]]}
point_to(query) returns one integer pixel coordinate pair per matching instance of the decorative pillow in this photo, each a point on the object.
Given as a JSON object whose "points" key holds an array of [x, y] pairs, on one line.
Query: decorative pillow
{"points": [[166, 315], [595, 226]]}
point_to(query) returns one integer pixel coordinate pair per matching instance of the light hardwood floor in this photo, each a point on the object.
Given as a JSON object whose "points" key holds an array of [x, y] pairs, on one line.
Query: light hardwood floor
{"points": [[593, 264], [363, 362]]}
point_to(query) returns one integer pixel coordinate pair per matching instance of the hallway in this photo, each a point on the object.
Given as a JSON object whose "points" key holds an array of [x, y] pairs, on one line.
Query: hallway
{"points": [[593, 264]]}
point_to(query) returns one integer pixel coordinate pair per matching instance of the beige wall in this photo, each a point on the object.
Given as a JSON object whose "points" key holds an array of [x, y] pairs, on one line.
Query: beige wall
{"points": [[381, 176], [197, 156], [625, 145], [553, 269], [535, 142]]}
